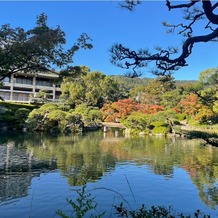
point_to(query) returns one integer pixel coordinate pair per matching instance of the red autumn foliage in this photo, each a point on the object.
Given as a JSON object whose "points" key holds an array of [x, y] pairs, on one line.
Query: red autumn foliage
{"points": [[177, 110], [190, 104], [151, 109], [123, 108]]}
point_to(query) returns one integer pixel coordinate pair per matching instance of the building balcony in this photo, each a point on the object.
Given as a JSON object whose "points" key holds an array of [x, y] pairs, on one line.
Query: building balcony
{"points": [[47, 75], [21, 99], [6, 84], [41, 87], [58, 89], [23, 85]]}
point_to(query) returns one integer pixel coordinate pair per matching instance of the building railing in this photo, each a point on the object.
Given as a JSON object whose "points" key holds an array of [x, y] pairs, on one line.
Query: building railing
{"points": [[20, 98], [18, 84]]}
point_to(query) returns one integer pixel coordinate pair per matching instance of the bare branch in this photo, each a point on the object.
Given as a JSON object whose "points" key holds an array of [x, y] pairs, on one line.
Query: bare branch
{"points": [[129, 4]]}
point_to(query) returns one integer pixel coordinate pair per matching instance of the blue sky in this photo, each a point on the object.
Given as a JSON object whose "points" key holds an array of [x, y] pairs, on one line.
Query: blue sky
{"points": [[106, 24]]}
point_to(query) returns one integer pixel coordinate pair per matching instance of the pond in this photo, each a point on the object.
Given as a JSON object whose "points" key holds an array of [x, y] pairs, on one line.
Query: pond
{"points": [[38, 172]]}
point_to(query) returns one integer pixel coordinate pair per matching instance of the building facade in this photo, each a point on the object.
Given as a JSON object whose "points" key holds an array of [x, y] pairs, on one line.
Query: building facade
{"points": [[23, 87]]}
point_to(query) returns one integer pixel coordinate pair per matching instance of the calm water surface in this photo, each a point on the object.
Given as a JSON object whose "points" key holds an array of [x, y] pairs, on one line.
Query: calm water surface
{"points": [[38, 172]]}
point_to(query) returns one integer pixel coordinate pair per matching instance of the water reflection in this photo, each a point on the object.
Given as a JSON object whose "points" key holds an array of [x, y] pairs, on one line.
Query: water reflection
{"points": [[162, 155], [92, 155], [18, 166], [78, 156]]}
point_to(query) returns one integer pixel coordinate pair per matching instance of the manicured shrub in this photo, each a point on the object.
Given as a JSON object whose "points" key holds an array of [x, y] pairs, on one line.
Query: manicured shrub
{"points": [[161, 130], [180, 116], [20, 117], [157, 124], [159, 127], [51, 117], [14, 114], [137, 121]]}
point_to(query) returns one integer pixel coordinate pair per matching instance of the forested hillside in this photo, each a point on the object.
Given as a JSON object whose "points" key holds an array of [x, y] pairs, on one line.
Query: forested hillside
{"points": [[131, 83]]}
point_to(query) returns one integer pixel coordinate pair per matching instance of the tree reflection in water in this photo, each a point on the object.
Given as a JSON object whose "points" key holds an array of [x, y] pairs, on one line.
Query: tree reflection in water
{"points": [[91, 155]]}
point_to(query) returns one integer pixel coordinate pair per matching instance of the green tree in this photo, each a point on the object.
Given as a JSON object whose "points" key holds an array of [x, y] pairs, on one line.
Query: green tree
{"points": [[37, 118], [112, 90], [171, 99], [38, 49], [41, 96], [208, 80], [207, 92], [20, 117], [57, 118], [209, 77], [93, 93], [72, 85], [91, 88], [77, 91], [137, 121], [215, 106], [91, 116], [152, 92], [52, 117]]}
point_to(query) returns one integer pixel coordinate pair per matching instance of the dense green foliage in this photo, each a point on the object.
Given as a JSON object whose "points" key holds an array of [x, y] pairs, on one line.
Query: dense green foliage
{"points": [[14, 115], [158, 106], [151, 123], [52, 117], [93, 88]]}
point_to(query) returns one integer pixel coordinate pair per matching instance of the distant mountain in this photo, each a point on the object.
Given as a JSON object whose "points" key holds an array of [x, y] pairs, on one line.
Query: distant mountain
{"points": [[185, 82], [131, 83]]}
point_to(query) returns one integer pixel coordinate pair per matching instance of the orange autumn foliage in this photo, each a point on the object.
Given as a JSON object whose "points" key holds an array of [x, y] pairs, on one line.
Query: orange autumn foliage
{"points": [[191, 104], [123, 108], [150, 109]]}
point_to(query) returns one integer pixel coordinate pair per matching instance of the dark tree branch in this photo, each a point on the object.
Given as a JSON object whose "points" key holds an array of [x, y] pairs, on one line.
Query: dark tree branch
{"points": [[187, 5], [165, 60], [208, 9]]}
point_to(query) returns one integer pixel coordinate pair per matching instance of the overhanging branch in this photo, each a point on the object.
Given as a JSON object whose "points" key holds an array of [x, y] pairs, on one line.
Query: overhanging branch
{"points": [[165, 60]]}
